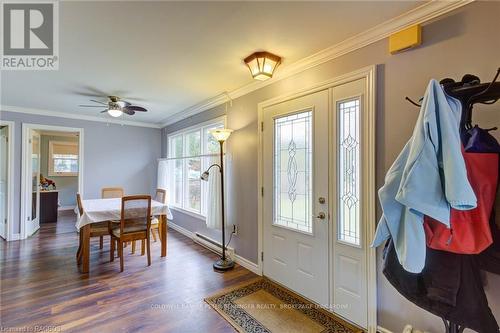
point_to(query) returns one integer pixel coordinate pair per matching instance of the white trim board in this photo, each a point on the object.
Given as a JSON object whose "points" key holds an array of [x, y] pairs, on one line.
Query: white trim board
{"points": [[49, 113], [24, 172], [424, 13], [368, 73], [9, 235], [238, 259]]}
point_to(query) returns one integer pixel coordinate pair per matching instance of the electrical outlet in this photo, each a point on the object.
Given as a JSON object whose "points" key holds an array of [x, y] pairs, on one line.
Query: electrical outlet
{"points": [[235, 229]]}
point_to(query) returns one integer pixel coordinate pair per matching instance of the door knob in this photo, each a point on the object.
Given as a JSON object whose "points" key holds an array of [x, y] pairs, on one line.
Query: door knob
{"points": [[321, 216]]}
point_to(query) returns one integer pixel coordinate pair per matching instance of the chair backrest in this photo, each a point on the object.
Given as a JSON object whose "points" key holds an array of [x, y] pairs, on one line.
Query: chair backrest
{"points": [[79, 203], [111, 192], [161, 195], [136, 209]]}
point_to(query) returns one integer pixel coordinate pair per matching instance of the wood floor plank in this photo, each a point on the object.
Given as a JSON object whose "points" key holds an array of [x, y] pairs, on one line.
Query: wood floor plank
{"points": [[41, 285]]}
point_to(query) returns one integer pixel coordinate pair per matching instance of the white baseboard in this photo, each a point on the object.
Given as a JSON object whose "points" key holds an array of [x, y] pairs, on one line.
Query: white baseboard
{"points": [[252, 267], [61, 208], [380, 329], [238, 259], [14, 237], [180, 229]]}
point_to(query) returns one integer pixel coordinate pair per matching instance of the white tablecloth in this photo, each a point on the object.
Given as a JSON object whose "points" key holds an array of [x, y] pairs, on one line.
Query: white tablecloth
{"points": [[100, 210]]}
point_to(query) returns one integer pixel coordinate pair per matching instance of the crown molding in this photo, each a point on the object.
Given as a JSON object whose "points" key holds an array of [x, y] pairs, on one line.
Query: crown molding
{"points": [[419, 15], [49, 113]]}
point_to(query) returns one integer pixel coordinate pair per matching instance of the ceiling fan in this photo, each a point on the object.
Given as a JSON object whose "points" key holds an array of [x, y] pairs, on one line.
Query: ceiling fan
{"points": [[116, 106]]}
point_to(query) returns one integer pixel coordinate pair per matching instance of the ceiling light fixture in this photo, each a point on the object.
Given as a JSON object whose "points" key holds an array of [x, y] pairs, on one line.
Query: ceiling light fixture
{"points": [[115, 112], [262, 64]]}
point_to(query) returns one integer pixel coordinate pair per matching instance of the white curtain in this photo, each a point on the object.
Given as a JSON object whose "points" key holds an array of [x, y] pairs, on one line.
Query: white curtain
{"points": [[214, 209], [162, 180]]}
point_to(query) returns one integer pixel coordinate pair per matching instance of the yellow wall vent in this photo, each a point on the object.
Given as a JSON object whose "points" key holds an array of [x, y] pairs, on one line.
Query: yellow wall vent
{"points": [[405, 39]]}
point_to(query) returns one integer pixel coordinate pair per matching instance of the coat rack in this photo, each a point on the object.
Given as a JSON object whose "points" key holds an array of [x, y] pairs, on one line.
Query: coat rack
{"points": [[468, 91]]}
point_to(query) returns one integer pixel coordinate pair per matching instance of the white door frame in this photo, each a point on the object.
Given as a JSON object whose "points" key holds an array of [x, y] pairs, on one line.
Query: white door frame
{"points": [[10, 180], [25, 174], [368, 73]]}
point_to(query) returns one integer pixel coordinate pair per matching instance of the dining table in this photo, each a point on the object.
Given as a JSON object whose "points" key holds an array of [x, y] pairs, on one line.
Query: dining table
{"points": [[102, 210]]}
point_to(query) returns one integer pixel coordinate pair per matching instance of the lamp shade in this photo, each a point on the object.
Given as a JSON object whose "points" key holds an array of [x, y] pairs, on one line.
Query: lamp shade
{"points": [[115, 112], [221, 134], [262, 64]]}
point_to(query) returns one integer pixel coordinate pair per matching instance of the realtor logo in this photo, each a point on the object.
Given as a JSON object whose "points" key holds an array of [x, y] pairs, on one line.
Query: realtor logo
{"points": [[29, 35]]}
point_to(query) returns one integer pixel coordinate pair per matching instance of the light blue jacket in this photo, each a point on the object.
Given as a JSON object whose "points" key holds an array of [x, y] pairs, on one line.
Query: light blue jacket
{"points": [[427, 178]]}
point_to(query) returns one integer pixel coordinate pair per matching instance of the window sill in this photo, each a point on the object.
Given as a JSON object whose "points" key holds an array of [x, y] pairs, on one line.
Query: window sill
{"points": [[188, 212], [63, 174]]}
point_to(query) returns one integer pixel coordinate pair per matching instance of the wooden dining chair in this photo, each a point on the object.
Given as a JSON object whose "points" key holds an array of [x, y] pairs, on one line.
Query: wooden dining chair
{"points": [[96, 229], [112, 192], [161, 196], [135, 224]]}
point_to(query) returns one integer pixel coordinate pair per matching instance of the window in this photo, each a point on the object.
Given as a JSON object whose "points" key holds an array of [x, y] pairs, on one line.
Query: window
{"points": [[349, 171], [63, 158], [191, 152], [293, 171]]}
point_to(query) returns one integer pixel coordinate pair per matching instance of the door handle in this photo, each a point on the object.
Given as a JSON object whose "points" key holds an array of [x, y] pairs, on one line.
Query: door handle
{"points": [[321, 216]]}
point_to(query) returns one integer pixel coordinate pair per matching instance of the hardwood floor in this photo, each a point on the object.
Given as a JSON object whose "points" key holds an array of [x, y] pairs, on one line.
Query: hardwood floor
{"points": [[41, 286]]}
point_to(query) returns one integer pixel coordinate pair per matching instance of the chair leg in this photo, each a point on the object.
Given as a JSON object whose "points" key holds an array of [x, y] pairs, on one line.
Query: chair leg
{"points": [[101, 242], [120, 250], [148, 248], [133, 247], [112, 249], [143, 246], [79, 252], [153, 233]]}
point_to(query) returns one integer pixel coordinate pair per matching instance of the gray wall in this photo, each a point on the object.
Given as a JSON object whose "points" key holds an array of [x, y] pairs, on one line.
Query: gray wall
{"points": [[464, 41], [114, 155], [66, 185]]}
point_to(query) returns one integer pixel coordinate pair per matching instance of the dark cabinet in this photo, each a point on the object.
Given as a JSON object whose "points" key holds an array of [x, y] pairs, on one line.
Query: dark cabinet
{"points": [[49, 202]]}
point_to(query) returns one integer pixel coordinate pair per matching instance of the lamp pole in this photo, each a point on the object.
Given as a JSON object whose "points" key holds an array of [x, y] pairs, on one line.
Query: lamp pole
{"points": [[221, 135], [221, 169]]}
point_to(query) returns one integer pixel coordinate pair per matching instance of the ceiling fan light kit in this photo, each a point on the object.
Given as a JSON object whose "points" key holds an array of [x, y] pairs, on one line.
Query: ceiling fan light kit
{"points": [[117, 107], [115, 112]]}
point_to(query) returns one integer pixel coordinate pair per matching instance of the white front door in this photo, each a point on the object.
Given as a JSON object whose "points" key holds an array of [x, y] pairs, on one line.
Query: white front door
{"points": [[33, 189], [4, 164], [295, 147], [315, 197]]}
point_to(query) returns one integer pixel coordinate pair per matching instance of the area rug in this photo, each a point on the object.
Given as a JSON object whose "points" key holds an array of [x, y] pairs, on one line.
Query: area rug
{"points": [[262, 306]]}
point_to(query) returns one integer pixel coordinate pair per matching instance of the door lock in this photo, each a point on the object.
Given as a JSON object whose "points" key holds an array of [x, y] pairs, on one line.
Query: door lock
{"points": [[321, 216], [321, 200]]}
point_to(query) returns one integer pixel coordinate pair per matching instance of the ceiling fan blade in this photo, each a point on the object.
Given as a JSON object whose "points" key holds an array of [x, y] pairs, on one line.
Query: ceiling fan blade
{"points": [[136, 108], [90, 106], [103, 103], [104, 111], [128, 111]]}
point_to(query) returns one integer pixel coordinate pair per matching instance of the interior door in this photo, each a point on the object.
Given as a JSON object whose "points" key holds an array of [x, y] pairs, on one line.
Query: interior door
{"points": [[34, 193], [295, 178], [4, 163], [349, 198]]}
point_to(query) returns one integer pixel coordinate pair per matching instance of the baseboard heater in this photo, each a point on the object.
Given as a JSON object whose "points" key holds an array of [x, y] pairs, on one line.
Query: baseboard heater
{"points": [[212, 245]]}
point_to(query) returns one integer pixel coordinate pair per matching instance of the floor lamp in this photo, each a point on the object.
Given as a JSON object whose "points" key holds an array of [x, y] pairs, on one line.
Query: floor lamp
{"points": [[221, 135]]}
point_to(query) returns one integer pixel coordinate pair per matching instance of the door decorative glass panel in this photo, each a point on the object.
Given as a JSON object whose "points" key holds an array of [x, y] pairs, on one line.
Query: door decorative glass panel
{"points": [[349, 171], [293, 171]]}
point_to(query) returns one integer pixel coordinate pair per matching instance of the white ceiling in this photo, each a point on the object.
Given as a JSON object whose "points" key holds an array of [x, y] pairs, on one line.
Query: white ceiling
{"points": [[167, 56]]}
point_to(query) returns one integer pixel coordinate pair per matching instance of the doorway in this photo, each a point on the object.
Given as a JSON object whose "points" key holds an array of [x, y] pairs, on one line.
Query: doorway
{"points": [[52, 164], [6, 169], [317, 178]]}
